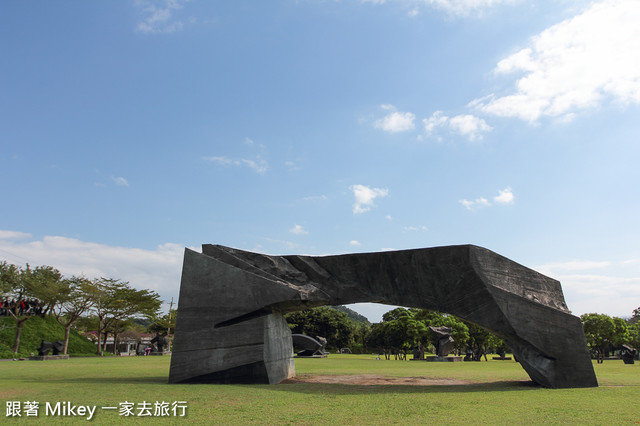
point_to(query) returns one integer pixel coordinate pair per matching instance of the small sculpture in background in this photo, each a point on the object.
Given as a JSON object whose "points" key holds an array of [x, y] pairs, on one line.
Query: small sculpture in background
{"points": [[308, 346], [45, 347], [160, 342], [444, 341], [628, 354]]}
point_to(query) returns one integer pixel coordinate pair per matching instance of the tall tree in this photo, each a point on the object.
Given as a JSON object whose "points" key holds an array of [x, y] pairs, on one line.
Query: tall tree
{"points": [[23, 285], [117, 301], [164, 323], [76, 296], [604, 333], [125, 302]]}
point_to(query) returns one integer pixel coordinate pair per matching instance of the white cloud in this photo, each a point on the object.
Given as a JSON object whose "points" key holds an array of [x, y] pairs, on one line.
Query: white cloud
{"points": [[504, 196], [298, 230], [364, 197], [13, 235], [415, 228], [575, 265], [454, 7], [157, 269], [467, 125], [258, 165], [574, 65], [315, 198], [465, 7], [601, 286], [395, 121], [436, 120], [354, 243], [120, 181], [160, 19], [475, 204]]}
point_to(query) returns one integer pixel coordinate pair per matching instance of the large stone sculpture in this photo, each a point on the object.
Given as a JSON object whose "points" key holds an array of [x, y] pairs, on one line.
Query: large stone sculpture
{"points": [[230, 327]]}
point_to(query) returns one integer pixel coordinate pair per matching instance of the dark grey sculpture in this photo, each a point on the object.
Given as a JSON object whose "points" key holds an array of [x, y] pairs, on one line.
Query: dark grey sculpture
{"points": [[160, 342], [307, 346], [444, 341], [45, 347], [230, 327], [629, 354]]}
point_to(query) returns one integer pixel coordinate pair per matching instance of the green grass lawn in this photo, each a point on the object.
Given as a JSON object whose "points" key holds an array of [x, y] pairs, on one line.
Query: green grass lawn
{"points": [[499, 392]]}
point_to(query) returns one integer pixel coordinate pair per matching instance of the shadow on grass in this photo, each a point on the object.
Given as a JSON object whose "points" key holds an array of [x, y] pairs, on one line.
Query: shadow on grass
{"points": [[349, 389], [327, 388], [155, 380]]}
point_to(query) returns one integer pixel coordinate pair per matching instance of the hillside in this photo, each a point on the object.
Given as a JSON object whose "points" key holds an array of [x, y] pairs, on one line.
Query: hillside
{"points": [[33, 331], [352, 314]]}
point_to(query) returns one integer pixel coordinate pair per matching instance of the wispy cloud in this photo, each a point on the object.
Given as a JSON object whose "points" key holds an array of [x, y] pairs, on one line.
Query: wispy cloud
{"points": [[395, 121], [574, 65], [466, 125], [415, 228], [120, 181], [602, 286], [453, 7], [505, 196], [298, 230], [315, 198], [354, 243], [575, 265], [365, 196], [160, 18], [258, 165], [157, 269], [475, 204], [13, 235]]}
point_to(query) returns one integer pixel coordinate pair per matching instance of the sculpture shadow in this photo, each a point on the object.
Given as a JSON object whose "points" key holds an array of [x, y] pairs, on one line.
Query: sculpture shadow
{"points": [[158, 380], [355, 389]]}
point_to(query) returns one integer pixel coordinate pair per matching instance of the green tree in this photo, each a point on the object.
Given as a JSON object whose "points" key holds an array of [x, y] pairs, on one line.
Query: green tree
{"points": [[634, 335], [164, 323], [479, 340], [22, 285], [604, 333], [75, 297], [333, 325], [116, 302]]}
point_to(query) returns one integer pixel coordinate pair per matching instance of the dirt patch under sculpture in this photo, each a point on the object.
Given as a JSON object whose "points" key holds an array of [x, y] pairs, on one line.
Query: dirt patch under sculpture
{"points": [[373, 379]]}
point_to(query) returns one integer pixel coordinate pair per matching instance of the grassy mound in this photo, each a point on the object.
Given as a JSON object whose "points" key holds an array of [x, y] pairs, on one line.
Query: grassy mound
{"points": [[33, 331]]}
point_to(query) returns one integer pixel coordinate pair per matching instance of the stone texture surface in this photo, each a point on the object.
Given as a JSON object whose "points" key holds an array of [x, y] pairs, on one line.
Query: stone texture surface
{"points": [[230, 327]]}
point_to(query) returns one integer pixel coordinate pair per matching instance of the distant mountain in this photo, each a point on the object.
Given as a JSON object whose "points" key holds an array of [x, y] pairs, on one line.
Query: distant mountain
{"points": [[352, 314]]}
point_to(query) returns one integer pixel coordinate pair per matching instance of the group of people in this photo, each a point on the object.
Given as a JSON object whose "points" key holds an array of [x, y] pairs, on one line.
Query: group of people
{"points": [[20, 307]]}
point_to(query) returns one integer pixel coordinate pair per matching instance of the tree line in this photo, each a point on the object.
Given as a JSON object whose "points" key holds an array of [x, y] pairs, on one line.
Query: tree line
{"points": [[607, 334], [108, 305], [403, 330]]}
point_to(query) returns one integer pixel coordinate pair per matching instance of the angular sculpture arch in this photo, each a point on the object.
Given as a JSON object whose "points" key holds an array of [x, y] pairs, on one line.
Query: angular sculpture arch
{"points": [[230, 327]]}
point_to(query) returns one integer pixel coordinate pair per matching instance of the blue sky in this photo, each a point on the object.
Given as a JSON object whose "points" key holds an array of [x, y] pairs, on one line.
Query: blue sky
{"points": [[130, 130]]}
